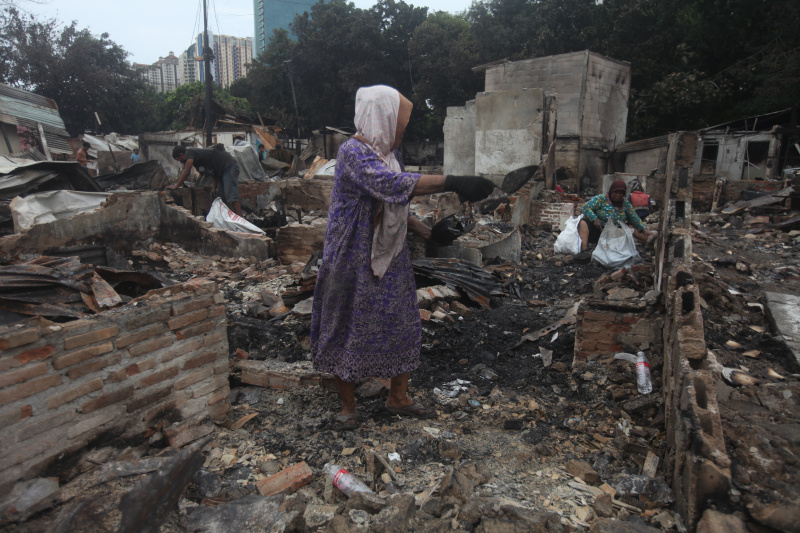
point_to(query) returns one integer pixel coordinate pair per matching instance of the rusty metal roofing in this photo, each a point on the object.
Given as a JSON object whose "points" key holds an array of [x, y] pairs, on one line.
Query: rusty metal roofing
{"points": [[24, 108]]}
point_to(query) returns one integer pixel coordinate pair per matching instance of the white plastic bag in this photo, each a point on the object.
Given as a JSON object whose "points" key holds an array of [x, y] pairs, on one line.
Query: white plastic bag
{"points": [[222, 217], [616, 247], [568, 241]]}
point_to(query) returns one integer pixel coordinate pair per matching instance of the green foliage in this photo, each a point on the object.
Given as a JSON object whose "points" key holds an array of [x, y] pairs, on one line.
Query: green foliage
{"points": [[694, 62], [83, 73], [185, 106], [444, 52]]}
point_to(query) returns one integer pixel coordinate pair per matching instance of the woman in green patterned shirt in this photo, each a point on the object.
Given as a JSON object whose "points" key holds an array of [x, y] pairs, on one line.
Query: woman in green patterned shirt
{"points": [[598, 210]]}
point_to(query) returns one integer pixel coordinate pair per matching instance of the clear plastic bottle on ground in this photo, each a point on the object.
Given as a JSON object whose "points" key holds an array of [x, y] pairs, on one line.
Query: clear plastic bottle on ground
{"points": [[344, 480], [643, 382]]}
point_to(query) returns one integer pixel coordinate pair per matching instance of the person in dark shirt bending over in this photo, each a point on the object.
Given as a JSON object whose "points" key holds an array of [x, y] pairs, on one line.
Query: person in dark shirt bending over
{"points": [[222, 166]]}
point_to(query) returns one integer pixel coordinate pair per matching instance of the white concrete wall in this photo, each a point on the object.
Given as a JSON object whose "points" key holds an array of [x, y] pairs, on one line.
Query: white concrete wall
{"points": [[459, 140], [562, 74], [605, 104], [508, 131]]}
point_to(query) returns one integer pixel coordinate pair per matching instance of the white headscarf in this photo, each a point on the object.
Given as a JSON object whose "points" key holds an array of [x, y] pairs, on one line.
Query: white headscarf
{"points": [[377, 108]]}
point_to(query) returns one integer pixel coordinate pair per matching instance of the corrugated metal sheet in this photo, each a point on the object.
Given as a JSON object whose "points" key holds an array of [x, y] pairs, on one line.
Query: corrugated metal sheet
{"points": [[27, 109]]}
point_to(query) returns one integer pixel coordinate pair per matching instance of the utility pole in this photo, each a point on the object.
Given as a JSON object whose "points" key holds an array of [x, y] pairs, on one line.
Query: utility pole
{"points": [[288, 64], [207, 69]]}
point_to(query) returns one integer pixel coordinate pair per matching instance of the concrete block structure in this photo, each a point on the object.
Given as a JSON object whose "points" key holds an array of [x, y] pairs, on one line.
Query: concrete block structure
{"points": [[459, 140], [592, 93], [498, 132]]}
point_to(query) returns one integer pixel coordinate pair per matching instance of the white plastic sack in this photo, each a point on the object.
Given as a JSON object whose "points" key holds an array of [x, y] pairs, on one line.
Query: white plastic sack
{"points": [[616, 247], [42, 207], [222, 217], [568, 241]]}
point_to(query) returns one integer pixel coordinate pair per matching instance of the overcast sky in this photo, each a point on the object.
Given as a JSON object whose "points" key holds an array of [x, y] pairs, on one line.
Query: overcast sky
{"points": [[148, 29]]}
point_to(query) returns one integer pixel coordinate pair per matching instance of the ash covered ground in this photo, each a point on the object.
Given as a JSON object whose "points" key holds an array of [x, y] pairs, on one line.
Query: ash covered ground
{"points": [[529, 430]]}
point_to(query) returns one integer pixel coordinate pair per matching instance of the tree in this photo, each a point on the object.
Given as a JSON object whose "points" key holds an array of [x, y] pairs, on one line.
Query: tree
{"points": [[443, 53], [83, 73]]}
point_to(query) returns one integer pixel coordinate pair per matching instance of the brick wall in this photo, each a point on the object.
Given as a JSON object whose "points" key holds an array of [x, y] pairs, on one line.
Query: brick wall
{"points": [[162, 356], [553, 213], [603, 331]]}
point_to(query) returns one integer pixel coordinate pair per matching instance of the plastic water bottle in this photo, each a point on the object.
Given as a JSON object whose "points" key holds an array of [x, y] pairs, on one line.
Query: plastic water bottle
{"points": [[643, 382], [344, 480]]}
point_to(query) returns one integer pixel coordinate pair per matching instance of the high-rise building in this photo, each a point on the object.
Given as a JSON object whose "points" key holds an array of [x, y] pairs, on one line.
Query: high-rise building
{"points": [[163, 75], [190, 65], [274, 14], [232, 58]]}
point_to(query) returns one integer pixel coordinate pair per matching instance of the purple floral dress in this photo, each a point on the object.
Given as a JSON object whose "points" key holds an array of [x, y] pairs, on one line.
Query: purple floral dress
{"points": [[363, 326]]}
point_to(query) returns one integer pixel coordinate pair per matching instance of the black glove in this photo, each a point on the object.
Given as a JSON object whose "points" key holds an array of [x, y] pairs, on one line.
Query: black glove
{"points": [[469, 188]]}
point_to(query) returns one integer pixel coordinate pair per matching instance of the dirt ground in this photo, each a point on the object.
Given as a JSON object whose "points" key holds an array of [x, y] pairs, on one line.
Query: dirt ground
{"points": [[520, 421]]}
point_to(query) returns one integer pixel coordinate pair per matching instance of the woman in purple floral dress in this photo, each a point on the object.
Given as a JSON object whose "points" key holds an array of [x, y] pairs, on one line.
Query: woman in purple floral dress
{"points": [[365, 320]]}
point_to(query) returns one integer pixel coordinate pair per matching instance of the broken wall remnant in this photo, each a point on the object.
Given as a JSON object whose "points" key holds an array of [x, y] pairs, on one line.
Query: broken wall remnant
{"points": [[130, 217], [459, 140], [593, 93], [553, 213], [508, 131], [696, 463], [604, 329], [161, 358]]}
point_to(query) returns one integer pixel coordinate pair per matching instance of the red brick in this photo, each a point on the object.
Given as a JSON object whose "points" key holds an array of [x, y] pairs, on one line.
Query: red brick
{"points": [[194, 377], [219, 298], [20, 454], [140, 367], [181, 348], [149, 346], [186, 432], [219, 395], [217, 412], [603, 317], [181, 308], [618, 328], [157, 377], [140, 335], [117, 376], [286, 481], [425, 315], [29, 388], [94, 422], [148, 316], [41, 424], [214, 338], [22, 374], [26, 357], [90, 338], [151, 397], [222, 367], [199, 360], [217, 310], [61, 398], [193, 331], [182, 321], [631, 319], [201, 286], [78, 356], [609, 347], [13, 336], [93, 366], [15, 415], [107, 399]]}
